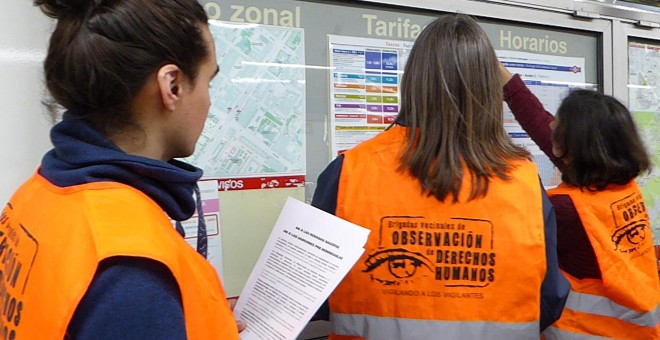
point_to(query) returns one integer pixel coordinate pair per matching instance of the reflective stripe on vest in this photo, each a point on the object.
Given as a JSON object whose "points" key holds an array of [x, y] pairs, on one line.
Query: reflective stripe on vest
{"points": [[554, 333], [55, 254], [394, 328], [429, 263], [600, 305]]}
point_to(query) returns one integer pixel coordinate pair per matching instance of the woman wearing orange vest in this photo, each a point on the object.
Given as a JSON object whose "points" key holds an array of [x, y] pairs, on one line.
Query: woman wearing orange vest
{"points": [[462, 233], [86, 244], [605, 242]]}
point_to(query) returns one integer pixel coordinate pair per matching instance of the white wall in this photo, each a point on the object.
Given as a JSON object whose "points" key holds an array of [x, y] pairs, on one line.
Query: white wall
{"points": [[24, 122]]}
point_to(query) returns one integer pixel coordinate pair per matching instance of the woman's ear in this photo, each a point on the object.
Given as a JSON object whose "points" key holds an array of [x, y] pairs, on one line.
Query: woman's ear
{"points": [[169, 83]]}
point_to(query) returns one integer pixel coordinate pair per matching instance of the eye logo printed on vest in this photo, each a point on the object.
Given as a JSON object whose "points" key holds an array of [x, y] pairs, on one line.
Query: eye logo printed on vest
{"points": [[401, 264], [456, 252], [627, 238], [631, 224]]}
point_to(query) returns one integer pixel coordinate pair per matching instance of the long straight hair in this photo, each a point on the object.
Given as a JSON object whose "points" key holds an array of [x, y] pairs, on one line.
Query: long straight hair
{"points": [[452, 101]]}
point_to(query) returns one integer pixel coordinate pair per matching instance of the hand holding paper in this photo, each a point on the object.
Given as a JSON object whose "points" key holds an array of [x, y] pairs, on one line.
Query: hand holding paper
{"points": [[306, 256]]}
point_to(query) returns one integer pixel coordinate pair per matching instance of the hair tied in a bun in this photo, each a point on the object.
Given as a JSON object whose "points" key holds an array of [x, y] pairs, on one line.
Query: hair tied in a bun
{"points": [[64, 8]]}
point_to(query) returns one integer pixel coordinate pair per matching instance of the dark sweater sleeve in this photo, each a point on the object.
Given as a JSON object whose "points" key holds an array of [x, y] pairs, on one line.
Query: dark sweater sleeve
{"points": [[327, 186], [130, 298], [531, 115], [576, 254], [555, 287], [325, 198]]}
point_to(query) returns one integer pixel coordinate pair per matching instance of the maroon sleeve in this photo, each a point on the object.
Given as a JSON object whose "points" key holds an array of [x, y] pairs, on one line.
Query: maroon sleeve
{"points": [[531, 115], [576, 255]]}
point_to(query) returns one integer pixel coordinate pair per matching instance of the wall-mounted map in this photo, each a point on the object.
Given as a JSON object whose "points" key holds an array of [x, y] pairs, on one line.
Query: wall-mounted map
{"points": [[256, 123], [644, 103]]}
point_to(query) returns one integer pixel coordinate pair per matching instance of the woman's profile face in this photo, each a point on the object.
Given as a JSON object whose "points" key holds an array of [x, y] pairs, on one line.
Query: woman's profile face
{"points": [[196, 104]]}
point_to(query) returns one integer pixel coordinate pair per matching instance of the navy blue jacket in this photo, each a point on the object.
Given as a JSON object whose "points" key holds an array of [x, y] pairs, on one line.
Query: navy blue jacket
{"points": [[129, 297]]}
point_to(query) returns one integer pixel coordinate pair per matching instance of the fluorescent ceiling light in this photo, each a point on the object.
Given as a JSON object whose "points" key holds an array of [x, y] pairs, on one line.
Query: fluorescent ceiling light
{"points": [[256, 63], [634, 86], [13, 55], [237, 25]]}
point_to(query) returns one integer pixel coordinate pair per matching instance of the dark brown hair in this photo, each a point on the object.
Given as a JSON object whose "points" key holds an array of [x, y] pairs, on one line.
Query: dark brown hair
{"points": [[452, 96], [598, 140], [102, 52]]}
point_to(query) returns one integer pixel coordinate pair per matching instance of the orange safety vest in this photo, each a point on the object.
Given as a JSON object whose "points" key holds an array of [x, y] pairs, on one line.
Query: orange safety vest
{"points": [[471, 270], [624, 303], [52, 240]]}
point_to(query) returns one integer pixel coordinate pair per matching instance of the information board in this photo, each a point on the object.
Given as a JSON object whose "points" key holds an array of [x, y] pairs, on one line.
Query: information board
{"points": [[364, 87], [550, 78], [644, 103]]}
